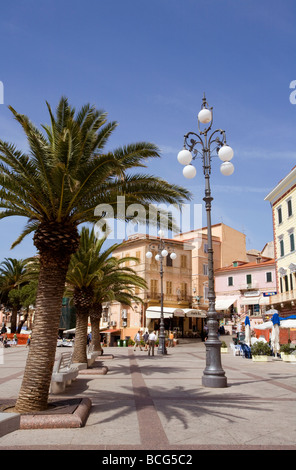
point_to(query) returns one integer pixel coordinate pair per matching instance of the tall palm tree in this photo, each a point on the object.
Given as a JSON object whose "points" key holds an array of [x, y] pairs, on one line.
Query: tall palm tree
{"points": [[56, 186], [94, 276]]}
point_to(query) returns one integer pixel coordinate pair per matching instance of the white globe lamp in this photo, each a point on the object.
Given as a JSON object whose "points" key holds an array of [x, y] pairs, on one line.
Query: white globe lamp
{"points": [[225, 153], [205, 116], [227, 168], [184, 157], [157, 257], [173, 256], [164, 253], [189, 171], [148, 254]]}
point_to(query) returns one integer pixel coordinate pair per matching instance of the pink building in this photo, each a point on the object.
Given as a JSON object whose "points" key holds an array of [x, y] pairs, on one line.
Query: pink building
{"points": [[245, 288]]}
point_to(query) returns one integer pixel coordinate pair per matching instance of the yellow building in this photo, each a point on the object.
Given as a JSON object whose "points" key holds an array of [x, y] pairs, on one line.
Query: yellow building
{"points": [[177, 286], [283, 203]]}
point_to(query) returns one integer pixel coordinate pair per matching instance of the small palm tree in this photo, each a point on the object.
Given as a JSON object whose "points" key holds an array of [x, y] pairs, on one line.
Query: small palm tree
{"points": [[12, 278], [93, 277], [57, 186]]}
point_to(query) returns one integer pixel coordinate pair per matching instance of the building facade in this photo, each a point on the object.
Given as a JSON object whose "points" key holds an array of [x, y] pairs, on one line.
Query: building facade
{"points": [[245, 288], [283, 203], [185, 281]]}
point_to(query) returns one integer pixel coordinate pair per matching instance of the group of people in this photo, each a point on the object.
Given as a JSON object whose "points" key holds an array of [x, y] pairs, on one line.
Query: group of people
{"points": [[149, 341]]}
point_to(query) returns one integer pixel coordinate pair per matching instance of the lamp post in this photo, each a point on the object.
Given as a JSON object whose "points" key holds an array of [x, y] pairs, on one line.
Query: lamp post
{"points": [[213, 375], [162, 253]]}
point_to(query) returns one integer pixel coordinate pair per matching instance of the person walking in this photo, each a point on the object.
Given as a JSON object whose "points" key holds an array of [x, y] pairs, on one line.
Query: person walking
{"points": [[137, 340], [146, 340], [152, 339], [171, 339]]}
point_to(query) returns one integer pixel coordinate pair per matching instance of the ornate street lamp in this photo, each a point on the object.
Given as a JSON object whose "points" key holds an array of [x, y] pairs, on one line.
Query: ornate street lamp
{"points": [[162, 253], [213, 375]]}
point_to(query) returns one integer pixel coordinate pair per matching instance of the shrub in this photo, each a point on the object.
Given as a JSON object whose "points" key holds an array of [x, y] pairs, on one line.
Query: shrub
{"points": [[286, 349], [223, 344], [260, 349]]}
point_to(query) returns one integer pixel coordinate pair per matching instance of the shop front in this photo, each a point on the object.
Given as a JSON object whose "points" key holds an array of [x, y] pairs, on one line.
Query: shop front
{"points": [[184, 322]]}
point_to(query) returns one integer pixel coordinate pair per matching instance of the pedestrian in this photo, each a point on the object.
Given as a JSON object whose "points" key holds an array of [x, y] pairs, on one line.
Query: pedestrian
{"points": [[28, 341], [152, 339], [146, 340], [137, 340], [14, 341], [171, 338]]}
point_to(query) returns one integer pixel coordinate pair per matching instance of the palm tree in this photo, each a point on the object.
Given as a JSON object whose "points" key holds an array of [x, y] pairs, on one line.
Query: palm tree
{"points": [[94, 276], [12, 278], [56, 186]]}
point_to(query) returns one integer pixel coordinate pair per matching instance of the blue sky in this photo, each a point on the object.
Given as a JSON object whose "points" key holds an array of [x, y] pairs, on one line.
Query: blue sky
{"points": [[148, 63]]}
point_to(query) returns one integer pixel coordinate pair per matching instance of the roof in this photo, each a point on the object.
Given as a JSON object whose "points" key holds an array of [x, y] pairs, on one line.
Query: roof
{"points": [[244, 266], [282, 187]]}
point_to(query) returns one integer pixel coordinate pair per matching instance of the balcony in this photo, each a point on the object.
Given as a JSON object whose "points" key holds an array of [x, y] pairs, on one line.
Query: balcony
{"points": [[254, 285], [288, 296], [168, 297]]}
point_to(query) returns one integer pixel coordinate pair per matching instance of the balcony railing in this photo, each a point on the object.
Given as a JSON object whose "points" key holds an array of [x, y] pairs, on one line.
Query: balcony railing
{"points": [[284, 297], [168, 297]]}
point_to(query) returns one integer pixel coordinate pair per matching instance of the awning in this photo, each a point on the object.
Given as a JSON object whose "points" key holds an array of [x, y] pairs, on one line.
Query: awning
{"points": [[264, 300], [109, 331], [154, 312], [170, 312], [224, 302], [194, 313], [250, 301]]}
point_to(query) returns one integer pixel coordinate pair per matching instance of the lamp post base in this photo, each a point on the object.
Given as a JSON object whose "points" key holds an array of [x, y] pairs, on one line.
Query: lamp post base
{"points": [[213, 381], [214, 375], [161, 347]]}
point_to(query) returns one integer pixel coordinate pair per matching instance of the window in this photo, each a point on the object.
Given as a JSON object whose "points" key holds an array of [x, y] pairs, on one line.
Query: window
{"points": [[280, 217], [183, 261], [137, 290], [205, 269], [292, 242], [169, 261], [230, 281], [281, 284], [291, 281], [127, 263], [138, 255], [282, 250], [269, 277], [153, 286], [249, 279], [206, 292], [183, 290], [206, 246], [286, 283], [289, 203], [169, 287]]}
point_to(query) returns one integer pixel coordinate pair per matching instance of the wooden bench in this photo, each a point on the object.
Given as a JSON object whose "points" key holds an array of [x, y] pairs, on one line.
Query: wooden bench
{"points": [[64, 372]]}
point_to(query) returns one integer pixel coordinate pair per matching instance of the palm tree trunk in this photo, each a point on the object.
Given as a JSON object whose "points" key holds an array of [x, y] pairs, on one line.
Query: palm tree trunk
{"points": [[33, 395], [13, 319], [96, 336], [80, 342]]}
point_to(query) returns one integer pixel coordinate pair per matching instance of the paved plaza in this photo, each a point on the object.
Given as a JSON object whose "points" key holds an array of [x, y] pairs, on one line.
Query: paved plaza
{"points": [[159, 402]]}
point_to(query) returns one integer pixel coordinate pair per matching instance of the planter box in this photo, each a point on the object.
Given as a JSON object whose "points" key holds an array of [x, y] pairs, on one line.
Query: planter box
{"points": [[261, 358], [288, 357], [224, 350]]}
